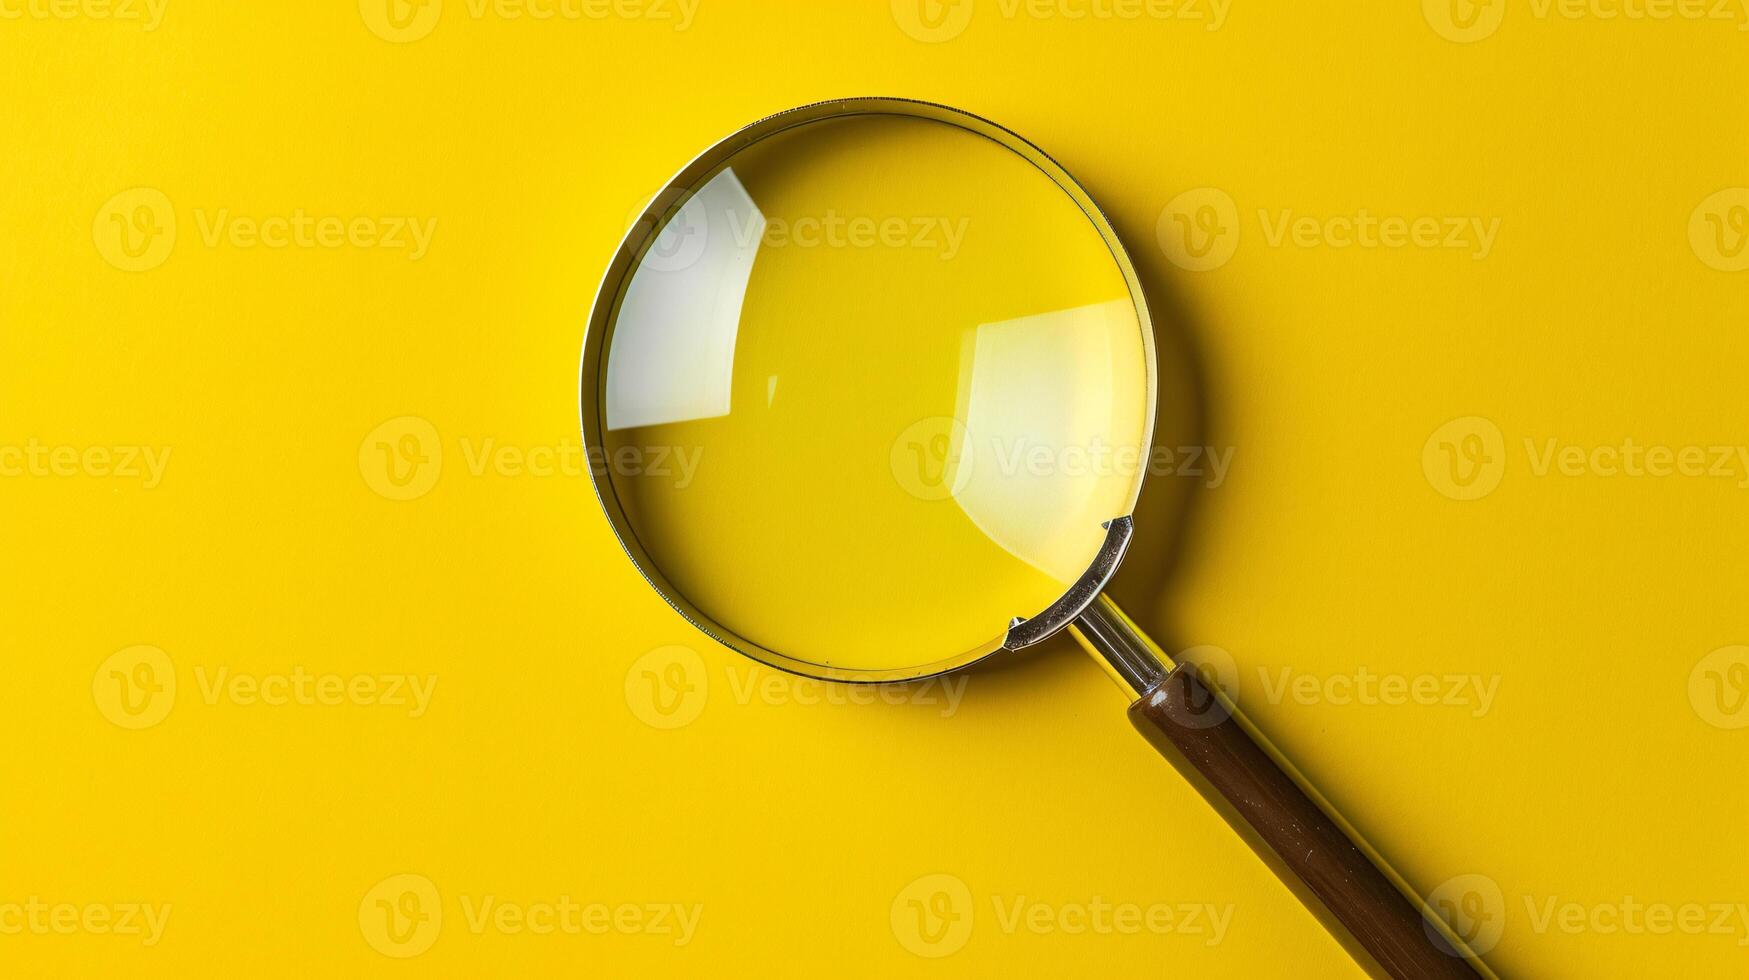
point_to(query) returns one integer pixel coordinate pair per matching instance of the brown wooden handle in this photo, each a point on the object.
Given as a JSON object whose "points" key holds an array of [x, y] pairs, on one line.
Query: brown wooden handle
{"points": [[1182, 716]]}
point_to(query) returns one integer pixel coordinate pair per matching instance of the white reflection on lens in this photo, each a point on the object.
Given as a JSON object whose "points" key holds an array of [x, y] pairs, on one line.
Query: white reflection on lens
{"points": [[1040, 452], [673, 353]]}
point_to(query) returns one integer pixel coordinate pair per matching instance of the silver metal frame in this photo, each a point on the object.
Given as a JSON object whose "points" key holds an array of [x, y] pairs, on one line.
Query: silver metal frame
{"points": [[1022, 632], [1026, 632]]}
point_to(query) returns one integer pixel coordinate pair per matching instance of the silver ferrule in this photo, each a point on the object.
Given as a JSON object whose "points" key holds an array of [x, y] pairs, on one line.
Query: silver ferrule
{"points": [[1130, 657]]}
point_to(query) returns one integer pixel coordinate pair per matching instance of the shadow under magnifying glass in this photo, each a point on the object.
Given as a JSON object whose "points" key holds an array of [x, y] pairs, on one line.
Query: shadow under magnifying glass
{"points": [[1166, 540], [1176, 480]]}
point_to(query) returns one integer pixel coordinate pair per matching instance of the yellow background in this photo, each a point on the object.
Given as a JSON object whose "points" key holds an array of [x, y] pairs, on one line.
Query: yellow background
{"points": [[1599, 773]]}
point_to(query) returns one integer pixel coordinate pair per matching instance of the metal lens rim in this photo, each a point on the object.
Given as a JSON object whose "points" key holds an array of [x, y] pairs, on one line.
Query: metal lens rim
{"points": [[606, 309]]}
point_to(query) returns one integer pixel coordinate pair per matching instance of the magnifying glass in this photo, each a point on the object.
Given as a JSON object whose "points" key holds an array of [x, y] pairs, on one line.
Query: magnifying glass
{"points": [[869, 387]]}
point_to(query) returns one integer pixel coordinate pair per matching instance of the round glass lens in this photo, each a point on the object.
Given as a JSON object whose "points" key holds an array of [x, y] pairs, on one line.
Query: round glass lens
{"points": [[871, 394]]}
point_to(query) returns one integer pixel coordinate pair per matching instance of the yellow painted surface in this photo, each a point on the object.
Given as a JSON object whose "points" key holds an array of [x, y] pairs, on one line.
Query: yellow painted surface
{"points": [[321, 653]]}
